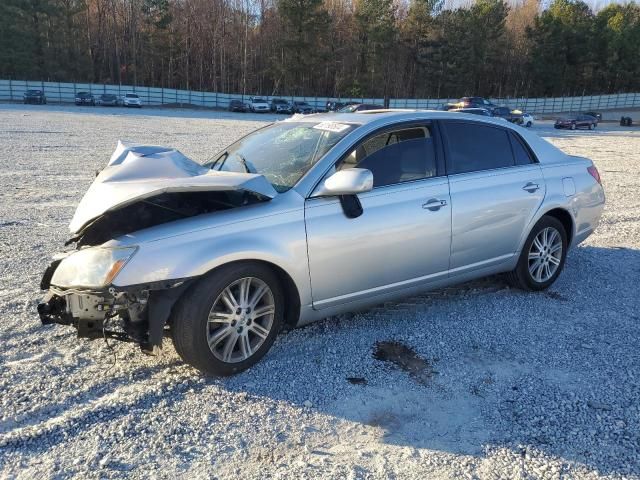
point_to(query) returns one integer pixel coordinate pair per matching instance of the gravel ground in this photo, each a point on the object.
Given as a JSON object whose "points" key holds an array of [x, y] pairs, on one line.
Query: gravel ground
{"points": [[519, 385]]}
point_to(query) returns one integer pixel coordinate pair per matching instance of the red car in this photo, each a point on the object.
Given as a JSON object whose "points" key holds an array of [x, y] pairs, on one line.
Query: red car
{"points": [[577, 121]]}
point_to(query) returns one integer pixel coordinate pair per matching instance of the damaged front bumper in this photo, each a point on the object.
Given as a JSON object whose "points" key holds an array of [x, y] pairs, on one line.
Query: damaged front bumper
{"points": [[134, 314]]}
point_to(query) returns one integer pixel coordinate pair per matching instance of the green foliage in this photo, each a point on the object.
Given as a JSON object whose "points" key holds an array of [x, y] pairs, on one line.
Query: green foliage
{"points": [[375, 25], [562, 56], [362, 48], [305, 24]]}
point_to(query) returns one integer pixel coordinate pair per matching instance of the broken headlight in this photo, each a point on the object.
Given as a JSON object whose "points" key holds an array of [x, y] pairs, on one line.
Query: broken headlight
{"points": [[92, 267]]}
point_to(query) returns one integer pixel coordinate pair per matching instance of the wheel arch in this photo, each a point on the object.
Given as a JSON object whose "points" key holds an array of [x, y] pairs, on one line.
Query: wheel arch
{"points": [[556, 211], [290, 290], [565, 218]]}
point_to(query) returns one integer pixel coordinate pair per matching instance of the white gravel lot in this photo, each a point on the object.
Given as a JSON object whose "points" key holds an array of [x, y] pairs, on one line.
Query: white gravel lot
{"points": [[526, 385]]}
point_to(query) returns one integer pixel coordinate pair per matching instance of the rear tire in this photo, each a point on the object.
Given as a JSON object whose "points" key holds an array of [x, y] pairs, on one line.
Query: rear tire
{"points": [[208, 315], [541, 261], [573, 126]]}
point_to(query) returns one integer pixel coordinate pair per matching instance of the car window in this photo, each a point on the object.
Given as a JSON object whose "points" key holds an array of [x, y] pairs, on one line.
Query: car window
{"points": [[520, 152], [396, 156], [282, 152], [474, 147]]}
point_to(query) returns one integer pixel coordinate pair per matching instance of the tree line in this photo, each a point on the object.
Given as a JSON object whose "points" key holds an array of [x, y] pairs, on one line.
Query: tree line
{"points": [[337, 48]]}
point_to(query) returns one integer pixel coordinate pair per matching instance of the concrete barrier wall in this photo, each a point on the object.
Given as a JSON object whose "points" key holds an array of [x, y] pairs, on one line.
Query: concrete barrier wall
{"points": [[55, 92]]}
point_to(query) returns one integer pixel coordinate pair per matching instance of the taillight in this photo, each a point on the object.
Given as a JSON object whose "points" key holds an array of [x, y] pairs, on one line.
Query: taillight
{"points": [[593, 171]]}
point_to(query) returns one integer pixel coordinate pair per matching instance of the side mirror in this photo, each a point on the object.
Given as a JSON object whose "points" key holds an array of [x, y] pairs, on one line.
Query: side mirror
{"points": [[349, 181]]}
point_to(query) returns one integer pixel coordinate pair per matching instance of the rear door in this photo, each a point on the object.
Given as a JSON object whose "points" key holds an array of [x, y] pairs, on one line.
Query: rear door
{"points": [[496, 187]]}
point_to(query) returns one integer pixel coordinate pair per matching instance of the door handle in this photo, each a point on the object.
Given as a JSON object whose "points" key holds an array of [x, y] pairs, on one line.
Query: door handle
{"points": [[531, 187], [434, 204]]}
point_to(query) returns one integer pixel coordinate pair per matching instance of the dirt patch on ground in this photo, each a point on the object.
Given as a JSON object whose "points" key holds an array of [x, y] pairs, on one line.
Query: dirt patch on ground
{"points": [[406, 359]]}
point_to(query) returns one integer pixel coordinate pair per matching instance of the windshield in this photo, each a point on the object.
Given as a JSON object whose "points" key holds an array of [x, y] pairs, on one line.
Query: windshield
{"points": [[282, 152], [132, 95], [259, 100]]}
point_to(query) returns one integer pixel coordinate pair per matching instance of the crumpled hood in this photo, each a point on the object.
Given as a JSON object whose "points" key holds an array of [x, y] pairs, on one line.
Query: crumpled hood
{"points": [[136, 172]]}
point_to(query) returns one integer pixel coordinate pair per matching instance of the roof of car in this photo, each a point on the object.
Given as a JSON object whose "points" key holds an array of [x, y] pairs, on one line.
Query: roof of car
{"points": [[543, 149], [369, 116]]}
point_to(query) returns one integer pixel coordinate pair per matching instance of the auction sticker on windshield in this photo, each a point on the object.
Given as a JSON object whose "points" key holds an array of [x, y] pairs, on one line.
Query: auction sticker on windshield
{"points": [[331, 126]]}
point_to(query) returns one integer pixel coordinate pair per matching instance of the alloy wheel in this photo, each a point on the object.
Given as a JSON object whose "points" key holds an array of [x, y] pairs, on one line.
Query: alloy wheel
{"points": [[240, 320], [545, 254]]}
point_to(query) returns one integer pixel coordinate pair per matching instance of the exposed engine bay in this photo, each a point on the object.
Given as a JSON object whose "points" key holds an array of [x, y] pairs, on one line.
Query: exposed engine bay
{"points": [[164, 208]]}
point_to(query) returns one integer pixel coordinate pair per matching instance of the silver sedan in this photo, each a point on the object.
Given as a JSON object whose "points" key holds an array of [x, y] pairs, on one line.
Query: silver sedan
{"points": [[310, 217]]}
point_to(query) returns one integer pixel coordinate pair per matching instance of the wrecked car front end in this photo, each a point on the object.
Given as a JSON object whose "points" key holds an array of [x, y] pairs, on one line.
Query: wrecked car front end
{"points": [[141, 187], [135, 313]]}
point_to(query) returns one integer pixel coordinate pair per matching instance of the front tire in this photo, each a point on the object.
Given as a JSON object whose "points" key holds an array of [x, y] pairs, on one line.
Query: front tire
{"points": [[228, 321], [529, 124], [542, 257]]}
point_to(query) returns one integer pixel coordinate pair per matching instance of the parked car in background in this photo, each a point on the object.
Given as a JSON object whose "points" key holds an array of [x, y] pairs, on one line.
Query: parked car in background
{"points": [[302, 107], [335, 106], [513, 116], [228, 252], [108, 100], [473, 111], [576, 121], [238, 106], [132, 100], [477, 102], [484, 112], [470, 102], [34, 96], [279, 105], [596, 115], [360, 107], [85, 98], [527, 120], [258, 105]]}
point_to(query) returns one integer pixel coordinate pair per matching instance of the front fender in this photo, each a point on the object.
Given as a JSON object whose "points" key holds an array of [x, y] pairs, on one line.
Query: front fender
{"points": [[278, 239]]}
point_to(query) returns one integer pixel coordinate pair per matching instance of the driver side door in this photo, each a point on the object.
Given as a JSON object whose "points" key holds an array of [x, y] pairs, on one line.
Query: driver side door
{"points": [[403, 236]]}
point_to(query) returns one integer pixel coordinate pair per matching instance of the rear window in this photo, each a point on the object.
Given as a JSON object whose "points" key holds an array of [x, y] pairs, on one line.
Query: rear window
{"points": [[520, 152], [474, 147]]}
